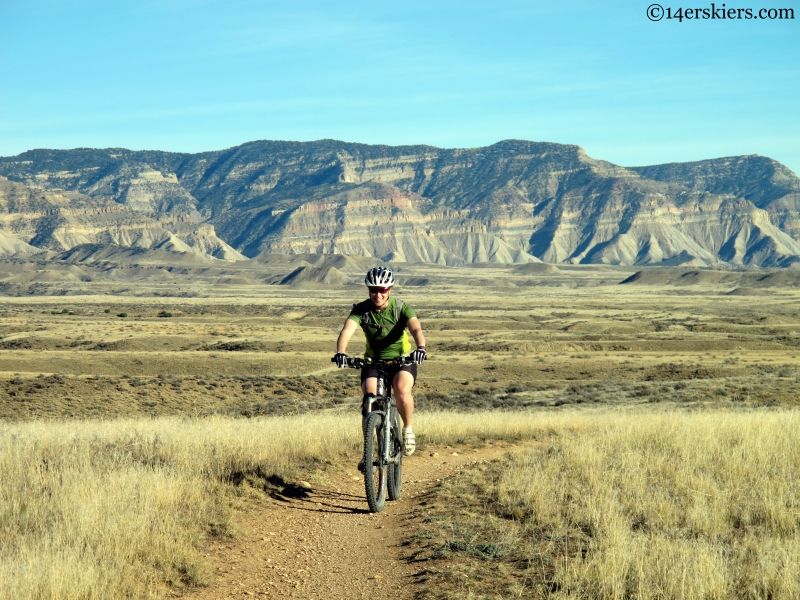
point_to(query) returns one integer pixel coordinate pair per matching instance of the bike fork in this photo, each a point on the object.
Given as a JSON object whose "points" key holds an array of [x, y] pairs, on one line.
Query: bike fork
{"points": [[387, 437]]}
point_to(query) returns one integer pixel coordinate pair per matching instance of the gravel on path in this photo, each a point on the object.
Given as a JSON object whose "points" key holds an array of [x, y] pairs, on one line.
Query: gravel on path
{"points": [[320, 542]]}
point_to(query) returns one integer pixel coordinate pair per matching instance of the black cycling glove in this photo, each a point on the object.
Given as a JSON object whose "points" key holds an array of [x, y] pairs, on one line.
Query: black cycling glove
{"points": [[419, 355], [341, 360]]}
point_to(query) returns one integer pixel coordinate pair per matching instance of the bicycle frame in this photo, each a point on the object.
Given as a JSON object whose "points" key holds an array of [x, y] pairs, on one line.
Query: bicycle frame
{"points": [[383, 398]]}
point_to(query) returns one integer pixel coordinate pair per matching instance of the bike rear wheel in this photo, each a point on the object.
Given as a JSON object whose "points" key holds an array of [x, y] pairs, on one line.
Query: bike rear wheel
{"points": [[375, 472], [396, 451]]}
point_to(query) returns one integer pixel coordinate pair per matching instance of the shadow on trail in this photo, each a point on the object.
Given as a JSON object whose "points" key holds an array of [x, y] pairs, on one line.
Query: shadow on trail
{"points": [[320, 500], [301, 496]]}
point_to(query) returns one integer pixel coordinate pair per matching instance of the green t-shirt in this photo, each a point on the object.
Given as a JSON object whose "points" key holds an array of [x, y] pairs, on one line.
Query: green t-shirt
{"points": [[387, 336]]}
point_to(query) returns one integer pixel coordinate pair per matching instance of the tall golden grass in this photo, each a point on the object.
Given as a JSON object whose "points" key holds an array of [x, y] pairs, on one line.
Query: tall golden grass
{"points": [[112, 509], [645, 505], [666, 504]]}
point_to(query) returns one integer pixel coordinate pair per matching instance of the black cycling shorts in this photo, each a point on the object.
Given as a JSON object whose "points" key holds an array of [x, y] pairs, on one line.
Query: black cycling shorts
{"points": [[372, 371]]}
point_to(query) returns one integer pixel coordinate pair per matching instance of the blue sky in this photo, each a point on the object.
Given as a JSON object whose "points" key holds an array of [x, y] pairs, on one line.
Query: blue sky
{"points": [[192, 76]]}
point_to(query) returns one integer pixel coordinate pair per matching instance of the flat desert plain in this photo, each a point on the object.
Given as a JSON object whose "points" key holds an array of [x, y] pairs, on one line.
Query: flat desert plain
{"points": [[531, 337]]}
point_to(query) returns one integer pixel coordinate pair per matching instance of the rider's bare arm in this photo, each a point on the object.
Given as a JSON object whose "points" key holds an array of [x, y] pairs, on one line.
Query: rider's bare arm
{"points": [[415, 329], [348, 329]]}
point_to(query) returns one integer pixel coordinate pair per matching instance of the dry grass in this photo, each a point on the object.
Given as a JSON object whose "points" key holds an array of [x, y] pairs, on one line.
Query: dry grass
{"points": [[638, 505], [110, 510]]}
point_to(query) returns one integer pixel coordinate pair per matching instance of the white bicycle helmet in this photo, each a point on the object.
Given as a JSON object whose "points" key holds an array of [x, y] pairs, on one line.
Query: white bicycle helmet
{"points": [[379, 277]]}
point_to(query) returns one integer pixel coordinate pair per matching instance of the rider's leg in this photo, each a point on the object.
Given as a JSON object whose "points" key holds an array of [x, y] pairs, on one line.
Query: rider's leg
{"points": [[402, 384], [368, 386]]}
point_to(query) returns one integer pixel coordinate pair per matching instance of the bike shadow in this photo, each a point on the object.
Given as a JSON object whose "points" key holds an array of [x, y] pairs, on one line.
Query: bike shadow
{"points": [[318, 500]]}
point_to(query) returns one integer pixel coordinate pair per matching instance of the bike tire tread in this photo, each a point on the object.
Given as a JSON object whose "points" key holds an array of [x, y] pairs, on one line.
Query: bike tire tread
{"points": [[375, 490]]}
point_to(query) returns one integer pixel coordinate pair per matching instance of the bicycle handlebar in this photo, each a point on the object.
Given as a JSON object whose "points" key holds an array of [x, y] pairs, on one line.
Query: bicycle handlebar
{"points": [[358, 363]]}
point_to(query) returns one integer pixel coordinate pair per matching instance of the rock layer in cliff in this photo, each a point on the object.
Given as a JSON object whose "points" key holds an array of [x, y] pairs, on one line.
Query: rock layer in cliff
{"points": [[512, 202]]}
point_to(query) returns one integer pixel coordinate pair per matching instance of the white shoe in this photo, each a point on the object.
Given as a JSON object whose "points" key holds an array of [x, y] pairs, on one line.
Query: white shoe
{"points": [[409, 442]]}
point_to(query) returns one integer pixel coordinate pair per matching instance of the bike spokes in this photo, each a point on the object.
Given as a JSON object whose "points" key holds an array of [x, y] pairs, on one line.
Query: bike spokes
{"points": [[375, 471]]}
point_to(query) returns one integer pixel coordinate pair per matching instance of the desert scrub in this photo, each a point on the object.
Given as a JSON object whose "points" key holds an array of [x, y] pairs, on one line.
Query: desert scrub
{"points": [[638, 505], [113, 509]]}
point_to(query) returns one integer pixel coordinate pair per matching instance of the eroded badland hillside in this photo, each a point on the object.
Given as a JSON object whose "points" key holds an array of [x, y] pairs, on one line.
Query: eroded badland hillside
{"points": [[512, 202]]}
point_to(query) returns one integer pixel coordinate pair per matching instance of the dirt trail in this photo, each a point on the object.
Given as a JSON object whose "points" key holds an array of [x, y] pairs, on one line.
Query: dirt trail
{"points": [[322, 543]]}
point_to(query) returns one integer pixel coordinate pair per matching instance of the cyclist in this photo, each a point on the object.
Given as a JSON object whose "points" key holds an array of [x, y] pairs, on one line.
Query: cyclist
{"points": [[386, 323]]}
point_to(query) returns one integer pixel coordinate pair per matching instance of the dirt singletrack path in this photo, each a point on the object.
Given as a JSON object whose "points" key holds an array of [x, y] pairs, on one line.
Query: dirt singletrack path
{"points": [[320, 542]]}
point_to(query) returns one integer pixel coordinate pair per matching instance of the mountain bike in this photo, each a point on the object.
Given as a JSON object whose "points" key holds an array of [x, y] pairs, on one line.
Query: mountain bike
{"points": [[383, 437]]}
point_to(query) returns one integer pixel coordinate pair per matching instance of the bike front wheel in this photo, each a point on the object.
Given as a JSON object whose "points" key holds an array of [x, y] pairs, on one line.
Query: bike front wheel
{"points": [[375, 471], [395, 451]]}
